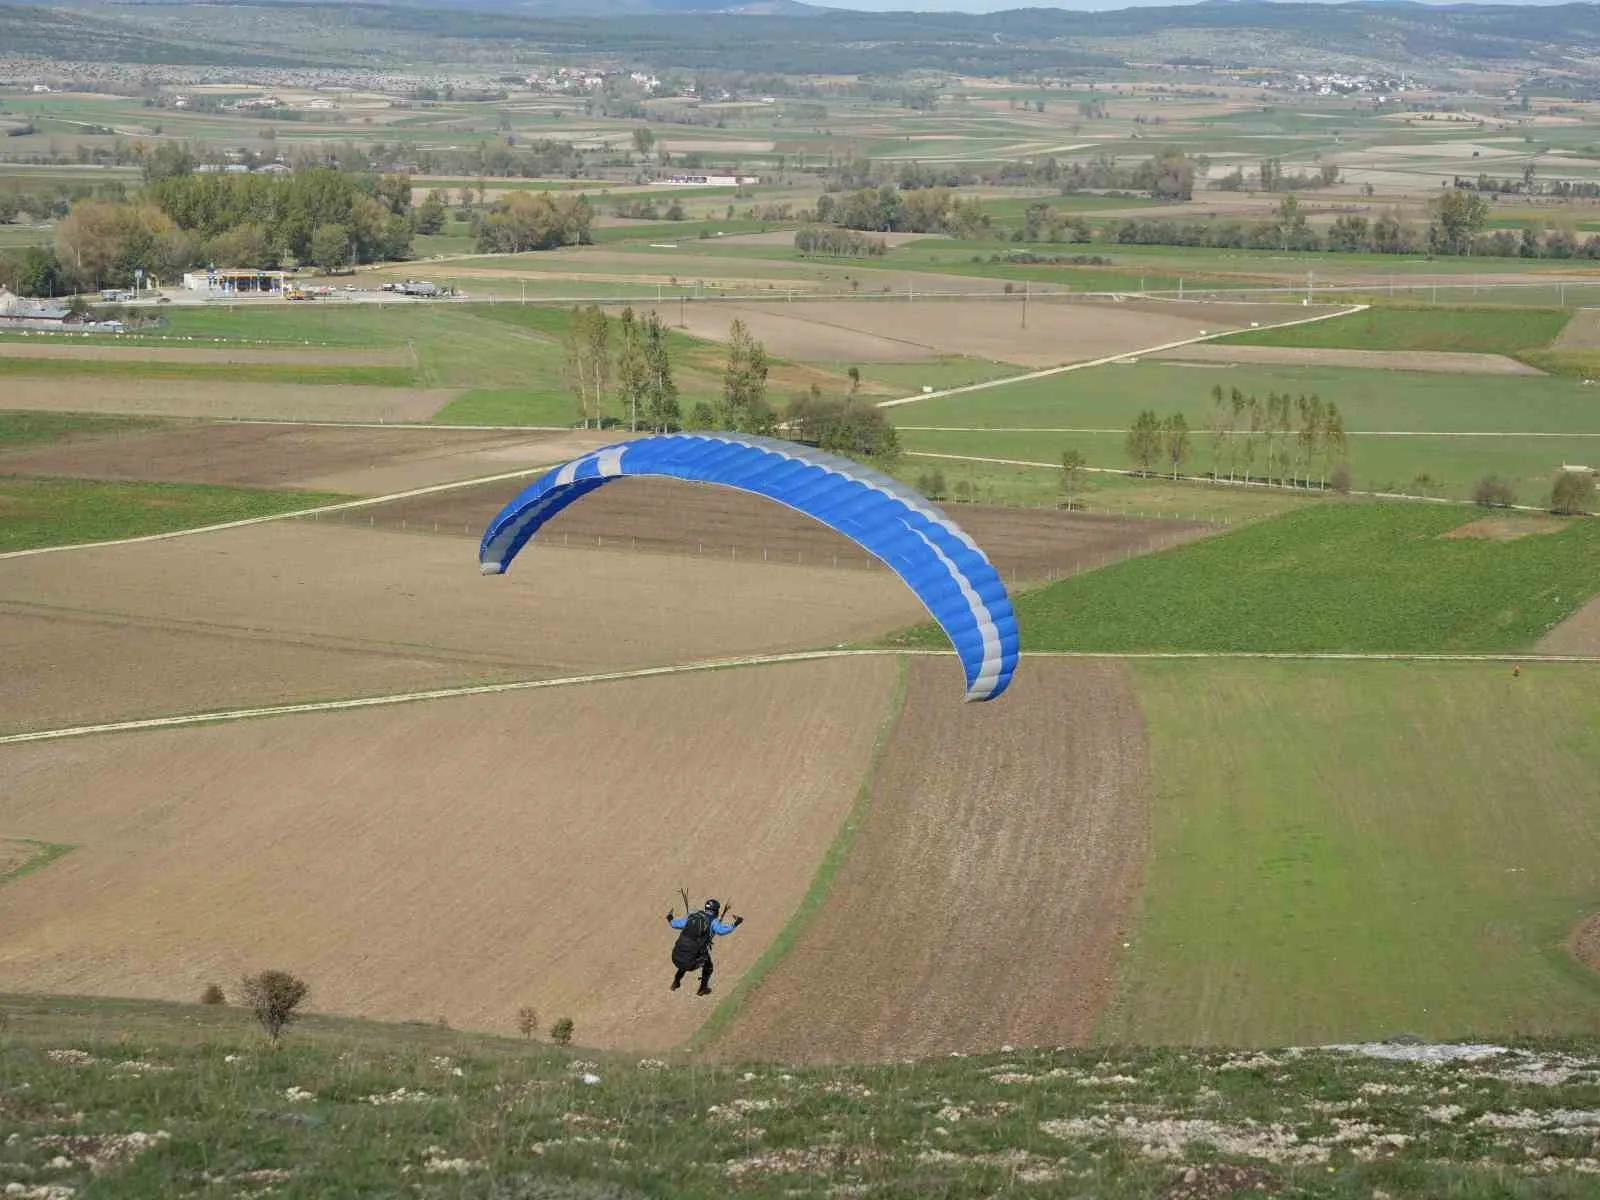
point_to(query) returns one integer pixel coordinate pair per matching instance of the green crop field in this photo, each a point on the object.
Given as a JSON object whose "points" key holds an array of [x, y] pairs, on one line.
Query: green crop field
{"points": [[288, 373], [1339, 576], [59, 512], [22, 428], [1344, 851], [1481, 331]]}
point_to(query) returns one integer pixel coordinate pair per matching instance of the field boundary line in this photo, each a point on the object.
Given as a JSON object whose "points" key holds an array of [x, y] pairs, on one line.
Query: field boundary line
{"points": [[342, 506], [751, 660], [1347, 311]]}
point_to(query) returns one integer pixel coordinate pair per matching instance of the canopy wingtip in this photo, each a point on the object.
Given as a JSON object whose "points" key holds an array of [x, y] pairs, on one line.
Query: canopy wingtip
{"points": [[490, 567]]}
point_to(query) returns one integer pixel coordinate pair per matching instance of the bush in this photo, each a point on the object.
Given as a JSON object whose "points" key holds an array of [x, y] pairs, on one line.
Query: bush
{"points": [[527, 1021], [1572, 493], [273, 996], [212, 995], [1339, 478], [931, 484], [1493, 492], [561, 1032]]}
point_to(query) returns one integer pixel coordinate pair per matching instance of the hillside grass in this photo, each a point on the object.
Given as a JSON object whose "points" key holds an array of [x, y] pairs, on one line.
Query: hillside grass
{"points": [[1358, 577], [355, 1108], [1350, 851], [60, 512], [1470, 330]]}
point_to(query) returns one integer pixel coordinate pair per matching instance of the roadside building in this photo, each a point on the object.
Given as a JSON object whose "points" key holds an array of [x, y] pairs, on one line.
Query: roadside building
{"points": [[236, 281], [18, 312]]}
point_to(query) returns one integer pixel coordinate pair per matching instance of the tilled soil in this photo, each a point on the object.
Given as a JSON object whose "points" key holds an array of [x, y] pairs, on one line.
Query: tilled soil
{"points": [[987, 893], [282, 455], [1585, 942], [457, 859], [1439, 361], [683, 518], [303, 609], [221, 401], [1578, 634]]}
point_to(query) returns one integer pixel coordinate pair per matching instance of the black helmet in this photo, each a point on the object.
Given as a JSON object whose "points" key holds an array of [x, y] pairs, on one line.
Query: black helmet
{"points": [[713, 907]]}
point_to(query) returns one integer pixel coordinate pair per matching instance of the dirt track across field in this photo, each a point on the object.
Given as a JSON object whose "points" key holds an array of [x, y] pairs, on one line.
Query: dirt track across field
{"points": [[303, 610], [683, 518], [1586, 942], [1441, 361], [899, 330], [454, 859], [356, 461], [288, 356], [986, 896], [1582, 332], [1578, 634], [220, 400]]}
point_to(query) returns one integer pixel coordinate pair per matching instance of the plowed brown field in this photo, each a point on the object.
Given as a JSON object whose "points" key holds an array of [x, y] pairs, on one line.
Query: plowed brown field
{"points": [[988, 890], [684, 518], [1439, 361], [455, 859], [302, 610], [1578, 634], [357, 461], [1058, 331], [225, 401]]}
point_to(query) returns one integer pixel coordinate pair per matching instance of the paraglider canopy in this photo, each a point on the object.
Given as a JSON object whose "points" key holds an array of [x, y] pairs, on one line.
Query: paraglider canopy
{"points": [[917, 540]]}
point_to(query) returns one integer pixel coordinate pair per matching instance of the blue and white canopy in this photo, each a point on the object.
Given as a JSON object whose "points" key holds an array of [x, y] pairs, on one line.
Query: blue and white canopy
{"points": [[922, 545]]}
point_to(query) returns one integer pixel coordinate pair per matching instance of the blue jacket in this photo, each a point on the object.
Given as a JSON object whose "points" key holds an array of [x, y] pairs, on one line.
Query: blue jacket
{"points": [[719, 928]]}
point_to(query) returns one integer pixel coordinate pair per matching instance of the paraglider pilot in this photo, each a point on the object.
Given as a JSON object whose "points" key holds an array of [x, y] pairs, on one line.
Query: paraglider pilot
{"points": [[692, 951]]}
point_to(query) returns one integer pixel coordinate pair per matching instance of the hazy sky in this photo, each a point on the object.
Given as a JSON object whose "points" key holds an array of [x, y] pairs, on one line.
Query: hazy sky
{"points": [[976, 6]]}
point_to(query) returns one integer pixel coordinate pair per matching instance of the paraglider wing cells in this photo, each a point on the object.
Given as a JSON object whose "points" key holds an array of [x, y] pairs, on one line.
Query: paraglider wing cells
{"points": [[930, 552]]}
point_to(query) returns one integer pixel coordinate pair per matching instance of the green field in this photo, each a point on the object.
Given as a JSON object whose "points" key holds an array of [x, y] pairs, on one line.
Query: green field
{"points": [[1479, 330], [1348, 851], [60, 512], [1338, 576], [288, 373], [22, 428]]}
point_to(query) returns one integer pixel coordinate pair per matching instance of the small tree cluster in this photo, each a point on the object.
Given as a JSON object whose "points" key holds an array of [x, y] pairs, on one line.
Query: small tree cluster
{"points": [[830, 242], [273, 997], [1291, 435], [1163, 440], [843, 426], [932, 484], [1493, 492], [1573, 493]]}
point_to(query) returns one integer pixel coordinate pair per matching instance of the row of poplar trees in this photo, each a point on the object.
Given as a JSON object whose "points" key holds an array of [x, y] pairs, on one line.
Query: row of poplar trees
{"points": [[633, 366], [1295, 439]]}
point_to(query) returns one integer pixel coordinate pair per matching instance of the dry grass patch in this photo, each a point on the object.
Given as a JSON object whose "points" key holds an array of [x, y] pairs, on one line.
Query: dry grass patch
{"points": [[1506, 528]]}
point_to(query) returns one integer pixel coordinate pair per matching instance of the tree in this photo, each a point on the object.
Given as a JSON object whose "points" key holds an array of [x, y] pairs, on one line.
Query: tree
{"points": [[633, 368], [1572, 493], [330, 247], [1144, 442], [561, 1032], [932, 484], [273, 996], [33, 271], [1493, 492], [527, 1021], [1175, 442], [644, 139], [1458, 217], [587, 358], [1073, 473], [661, 393], [744, 384], [428, 217]]}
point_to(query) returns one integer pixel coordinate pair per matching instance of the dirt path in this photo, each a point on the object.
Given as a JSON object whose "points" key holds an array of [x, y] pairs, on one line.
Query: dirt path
{"points": [[1578, 634], [986, 895], [1582, 332], [1440, 361], [1586, 942], [298, 610], [220, 400], [456, 859]]}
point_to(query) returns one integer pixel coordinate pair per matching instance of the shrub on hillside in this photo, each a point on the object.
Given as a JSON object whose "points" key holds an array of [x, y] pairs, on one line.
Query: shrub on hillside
{"points": [[561, 1032], [1572, 493], [527, 1021], [213, 995], [1339, 477], [273, 996], [1493, 492]]}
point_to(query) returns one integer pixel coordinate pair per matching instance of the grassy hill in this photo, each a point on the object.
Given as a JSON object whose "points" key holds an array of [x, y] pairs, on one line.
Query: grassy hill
{"points": [[138, 1100]]}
